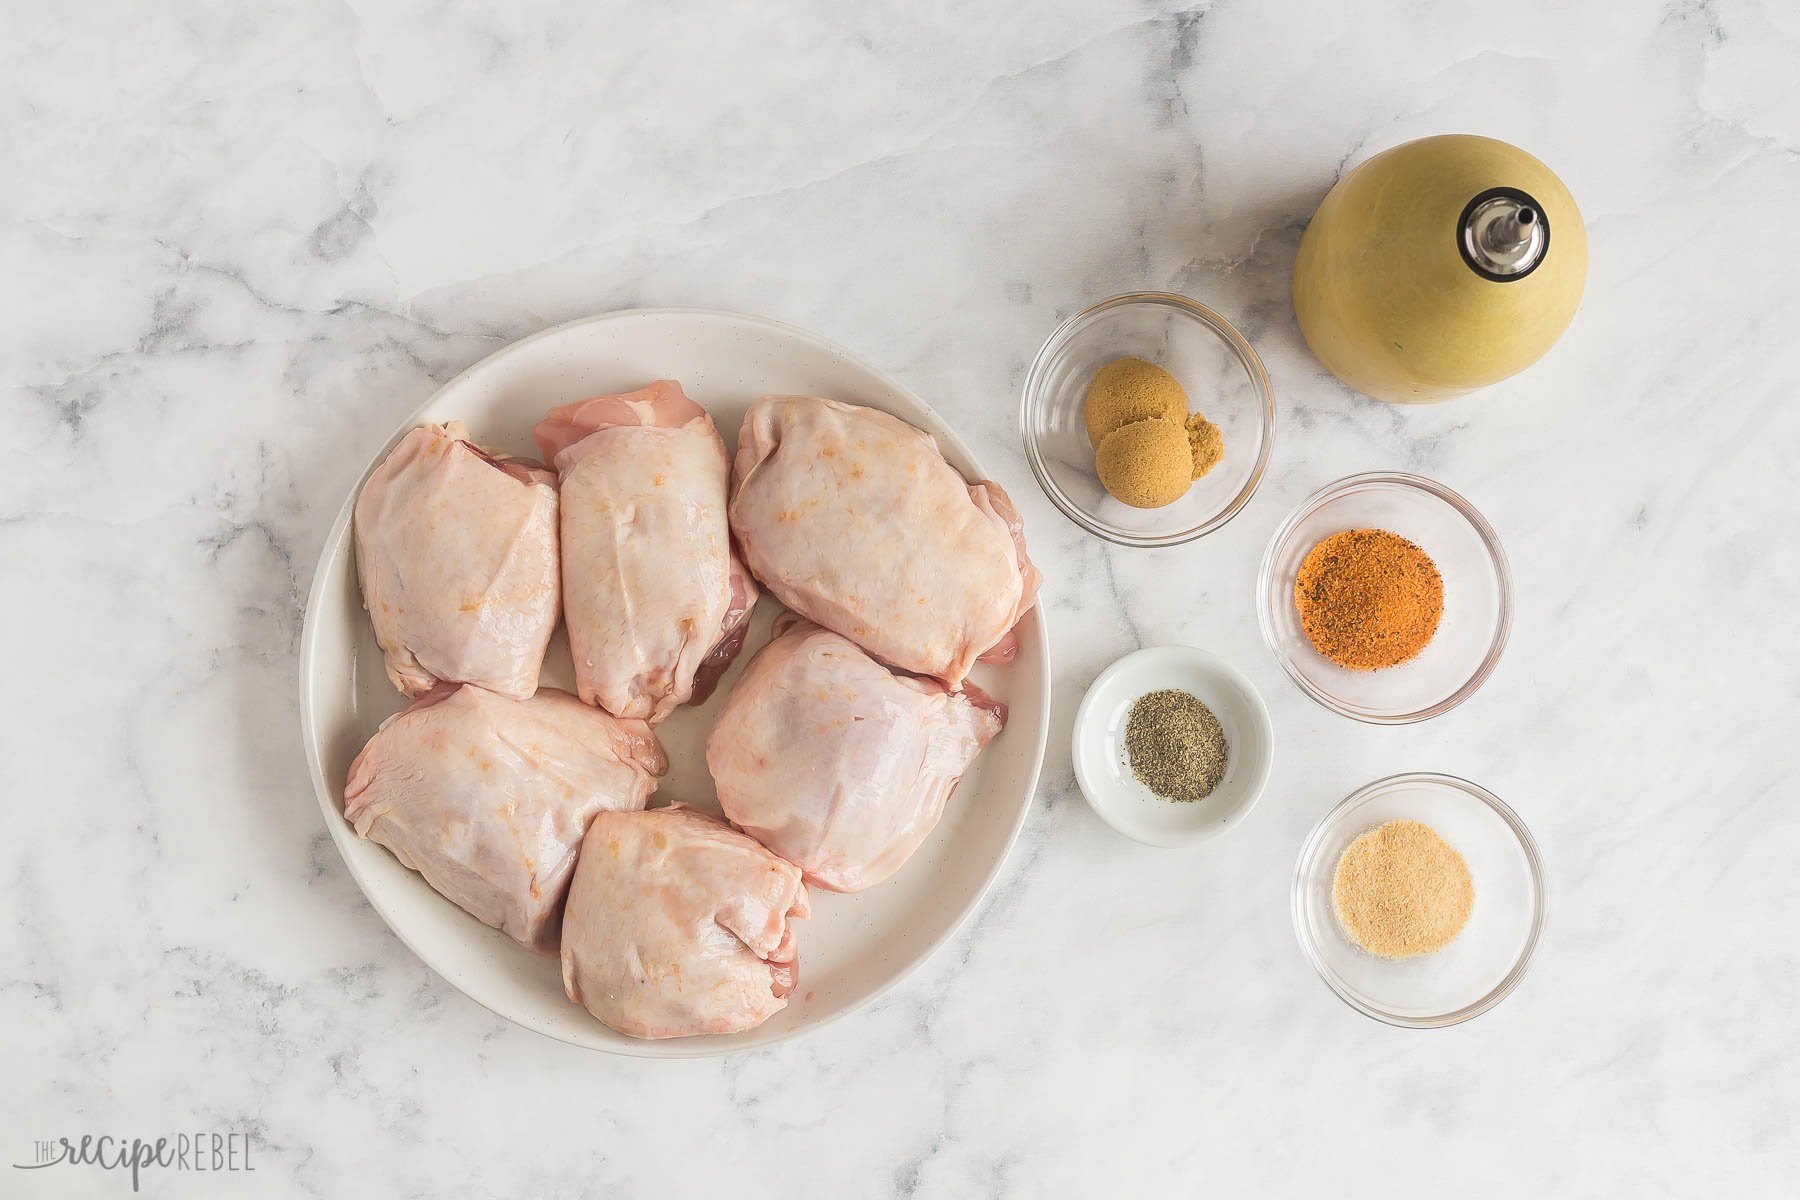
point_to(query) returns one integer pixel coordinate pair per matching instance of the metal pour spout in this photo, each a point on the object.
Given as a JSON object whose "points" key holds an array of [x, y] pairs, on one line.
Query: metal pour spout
{"points": [[1504, 234]]}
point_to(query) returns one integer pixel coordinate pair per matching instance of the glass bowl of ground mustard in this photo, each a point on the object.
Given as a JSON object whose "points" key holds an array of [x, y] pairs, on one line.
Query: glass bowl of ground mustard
{"points": [[1386, 597], [1148, 419], [1419, 899]]}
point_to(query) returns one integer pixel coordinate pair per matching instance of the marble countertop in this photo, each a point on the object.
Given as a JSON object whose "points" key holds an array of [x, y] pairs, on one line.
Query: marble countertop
{"points": [[242, 241]]}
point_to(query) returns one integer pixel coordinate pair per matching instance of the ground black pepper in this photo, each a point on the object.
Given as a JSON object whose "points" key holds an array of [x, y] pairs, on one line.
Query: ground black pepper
{"points": [[1175, 745]]}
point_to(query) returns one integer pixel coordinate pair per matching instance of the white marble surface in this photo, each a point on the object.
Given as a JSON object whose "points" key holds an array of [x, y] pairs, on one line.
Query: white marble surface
{"points": [[241, 240]]}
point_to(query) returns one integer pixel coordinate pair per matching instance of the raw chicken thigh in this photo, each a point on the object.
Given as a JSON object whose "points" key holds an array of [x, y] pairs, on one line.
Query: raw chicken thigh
{"points": [[456, 551], [852, 518], [678, 925], [656, 602], [488, 798], [837, 764]]}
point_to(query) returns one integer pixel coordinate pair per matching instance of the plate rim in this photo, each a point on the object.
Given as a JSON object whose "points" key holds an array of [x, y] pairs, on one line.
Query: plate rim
{"points": [[673, 1048]]}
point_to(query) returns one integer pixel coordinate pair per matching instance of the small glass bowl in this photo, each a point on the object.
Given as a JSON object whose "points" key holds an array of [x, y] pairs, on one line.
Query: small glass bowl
{"points": [[1488, 958], [1223, 378], [1477, 597]]}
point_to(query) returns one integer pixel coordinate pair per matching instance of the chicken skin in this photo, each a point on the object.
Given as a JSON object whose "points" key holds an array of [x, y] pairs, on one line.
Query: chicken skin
{"points": [[678, 924], [836, 763], [853, 519], [456, 551], [488, 798], [656, 601]]}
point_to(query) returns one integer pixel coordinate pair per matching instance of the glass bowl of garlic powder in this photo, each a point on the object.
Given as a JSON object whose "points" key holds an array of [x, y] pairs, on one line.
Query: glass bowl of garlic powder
{"points": [[1419, 899], [1223, 384]]}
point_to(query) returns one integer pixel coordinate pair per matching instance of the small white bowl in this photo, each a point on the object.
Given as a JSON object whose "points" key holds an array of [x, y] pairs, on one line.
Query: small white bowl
{"points": [[1104, 772]]}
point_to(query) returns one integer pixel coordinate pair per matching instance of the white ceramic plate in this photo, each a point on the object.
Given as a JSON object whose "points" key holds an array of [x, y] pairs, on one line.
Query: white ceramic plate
{"points": [[853, 948], [1103, 769]]}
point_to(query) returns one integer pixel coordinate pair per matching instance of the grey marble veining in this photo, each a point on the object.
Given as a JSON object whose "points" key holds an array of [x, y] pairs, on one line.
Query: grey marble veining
{"points": [[241, 241]]}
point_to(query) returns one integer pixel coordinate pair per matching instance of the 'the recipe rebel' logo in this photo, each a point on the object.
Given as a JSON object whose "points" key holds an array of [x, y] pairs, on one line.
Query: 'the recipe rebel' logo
{"points": [[200, 1152]]}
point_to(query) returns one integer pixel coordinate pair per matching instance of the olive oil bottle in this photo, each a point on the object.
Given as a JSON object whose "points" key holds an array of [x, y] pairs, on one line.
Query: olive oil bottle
{"points": [[1439, 267]]}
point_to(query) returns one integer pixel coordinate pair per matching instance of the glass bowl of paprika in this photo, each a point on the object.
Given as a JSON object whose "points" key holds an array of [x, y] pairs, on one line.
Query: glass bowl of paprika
{"points": [[1386, 597]]}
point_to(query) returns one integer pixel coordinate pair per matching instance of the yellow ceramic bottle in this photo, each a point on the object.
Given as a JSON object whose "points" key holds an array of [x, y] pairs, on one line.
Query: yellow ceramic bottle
{"points": [[1439, 267]]}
